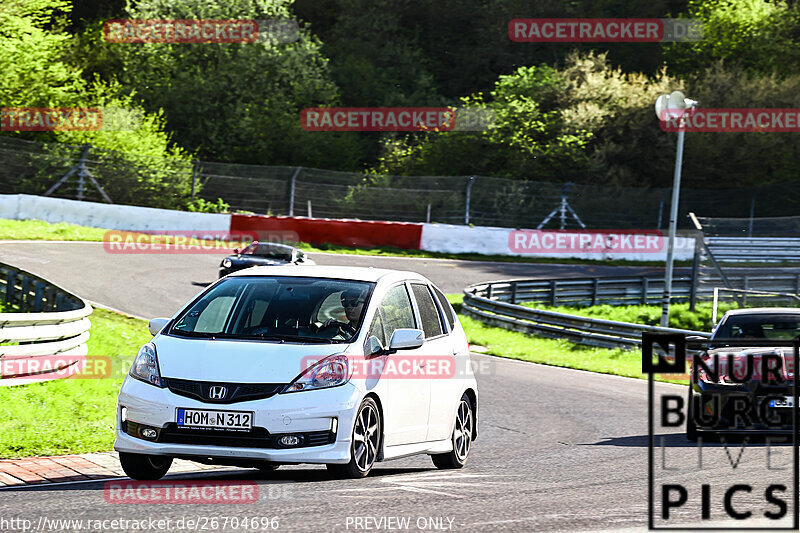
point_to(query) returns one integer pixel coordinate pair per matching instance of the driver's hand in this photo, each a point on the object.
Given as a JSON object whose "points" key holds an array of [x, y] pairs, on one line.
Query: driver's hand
{"points": [[317, 326]]}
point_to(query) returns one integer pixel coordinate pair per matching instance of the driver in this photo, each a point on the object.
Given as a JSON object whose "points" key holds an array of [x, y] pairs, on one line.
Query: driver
{"points": [[353, 303]]}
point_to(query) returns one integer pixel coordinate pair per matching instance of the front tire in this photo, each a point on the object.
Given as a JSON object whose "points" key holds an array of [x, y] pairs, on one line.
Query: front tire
{"points": [[364, 443], [462, 438], [144, 467]]}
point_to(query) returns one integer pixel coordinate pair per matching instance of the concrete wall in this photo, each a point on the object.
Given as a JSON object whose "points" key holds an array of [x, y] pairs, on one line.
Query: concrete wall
{"points": [[110, 216], [631, 245], [356, 233]]}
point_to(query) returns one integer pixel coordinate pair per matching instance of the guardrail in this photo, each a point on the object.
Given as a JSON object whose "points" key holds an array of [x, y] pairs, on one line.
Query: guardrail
{"points": [[40, 321], [775, 283], [629, 290], [614, 290], [484, 302], [754, 249]]}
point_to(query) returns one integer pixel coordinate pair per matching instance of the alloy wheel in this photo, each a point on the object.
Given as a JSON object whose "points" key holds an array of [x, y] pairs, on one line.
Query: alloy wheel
{"points": [[366, 436], [462, 436]]}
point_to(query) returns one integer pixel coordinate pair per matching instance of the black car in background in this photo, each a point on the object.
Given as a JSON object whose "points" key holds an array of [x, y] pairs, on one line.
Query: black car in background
{"points": [[263, 254], [749, 389]]}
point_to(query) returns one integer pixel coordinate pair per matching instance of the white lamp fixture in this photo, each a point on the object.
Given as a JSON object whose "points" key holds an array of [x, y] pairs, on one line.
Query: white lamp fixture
{"points": [[671, 106]]}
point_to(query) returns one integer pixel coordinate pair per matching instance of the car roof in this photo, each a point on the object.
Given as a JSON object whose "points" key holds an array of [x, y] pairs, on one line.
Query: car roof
{"points": [[275, 245], [765, 311], [336, 272]]}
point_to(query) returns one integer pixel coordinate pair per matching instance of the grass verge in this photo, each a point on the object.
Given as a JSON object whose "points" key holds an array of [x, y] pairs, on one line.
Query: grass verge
{"points": [[39, 230], [72, 415], [679, 314], [514, 345]]}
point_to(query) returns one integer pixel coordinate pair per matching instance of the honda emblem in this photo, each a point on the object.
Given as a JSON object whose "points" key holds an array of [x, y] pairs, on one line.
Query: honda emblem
{"points": [[217, 393]]}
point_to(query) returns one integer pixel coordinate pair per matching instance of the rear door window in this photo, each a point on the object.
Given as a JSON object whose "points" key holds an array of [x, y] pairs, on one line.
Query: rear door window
{"points": [[446, 307], [429, 314]]}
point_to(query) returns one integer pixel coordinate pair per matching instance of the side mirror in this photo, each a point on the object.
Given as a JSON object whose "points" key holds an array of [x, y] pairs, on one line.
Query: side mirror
{"points": [[236, 251], [157, 324], [374, 346], [406, 339]]}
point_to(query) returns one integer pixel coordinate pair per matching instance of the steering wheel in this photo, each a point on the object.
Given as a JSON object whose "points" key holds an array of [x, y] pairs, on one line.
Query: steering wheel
{"points": [[342, 328]]}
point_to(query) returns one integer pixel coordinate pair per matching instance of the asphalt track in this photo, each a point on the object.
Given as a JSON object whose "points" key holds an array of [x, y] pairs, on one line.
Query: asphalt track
{"points": [[558, 449], [159, 284]]}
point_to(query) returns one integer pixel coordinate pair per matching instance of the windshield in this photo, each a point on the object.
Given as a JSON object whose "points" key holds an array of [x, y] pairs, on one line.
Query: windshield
{"points": [[277, 308], [761, 326], [271, 251]]}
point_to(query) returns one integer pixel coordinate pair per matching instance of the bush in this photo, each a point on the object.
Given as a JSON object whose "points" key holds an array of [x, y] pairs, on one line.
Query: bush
{"points": [[204, 206], [680, 316]]}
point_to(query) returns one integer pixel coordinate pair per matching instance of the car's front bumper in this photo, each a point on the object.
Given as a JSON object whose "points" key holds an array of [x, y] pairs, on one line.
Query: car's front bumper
{"points": [[297, 413], [717, 406]]}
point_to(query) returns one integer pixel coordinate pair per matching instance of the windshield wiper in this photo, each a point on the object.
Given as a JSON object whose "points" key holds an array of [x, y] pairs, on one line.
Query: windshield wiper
{"points": [[196, 334], [262, 337], [290, 338]]}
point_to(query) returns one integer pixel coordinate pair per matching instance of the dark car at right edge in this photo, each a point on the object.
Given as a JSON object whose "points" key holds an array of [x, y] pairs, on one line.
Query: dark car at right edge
{"points": [[742, 384]]}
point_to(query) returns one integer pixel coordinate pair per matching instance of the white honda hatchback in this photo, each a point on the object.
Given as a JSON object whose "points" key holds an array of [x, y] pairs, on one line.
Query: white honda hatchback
{"points": [[330, 365]]}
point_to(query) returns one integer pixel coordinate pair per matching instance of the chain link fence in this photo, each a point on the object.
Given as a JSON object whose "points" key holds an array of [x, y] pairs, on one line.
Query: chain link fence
{"points": [[788, 226], [93, 174], [34, 168], [750, 261]]}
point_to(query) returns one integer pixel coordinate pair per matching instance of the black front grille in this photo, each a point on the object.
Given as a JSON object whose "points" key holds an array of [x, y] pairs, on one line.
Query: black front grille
{"points": [[234, 392], [318, 438], [256, 438]]}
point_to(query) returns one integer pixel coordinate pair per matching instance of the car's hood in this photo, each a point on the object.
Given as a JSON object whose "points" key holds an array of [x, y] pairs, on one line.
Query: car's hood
{"points": [[235, 361]]}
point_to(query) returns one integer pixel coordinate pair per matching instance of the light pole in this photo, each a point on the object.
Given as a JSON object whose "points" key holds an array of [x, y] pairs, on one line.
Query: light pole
{"points": [[669, 106]]}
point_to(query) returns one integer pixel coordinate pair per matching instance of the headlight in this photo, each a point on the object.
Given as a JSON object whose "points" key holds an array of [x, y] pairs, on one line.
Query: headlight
{"points": [[226, 263], [330, 372], [145, 366]]}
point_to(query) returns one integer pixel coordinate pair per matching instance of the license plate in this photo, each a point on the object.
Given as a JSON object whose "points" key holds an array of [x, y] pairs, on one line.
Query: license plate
{"points": [[208, 419], [787, 401]]}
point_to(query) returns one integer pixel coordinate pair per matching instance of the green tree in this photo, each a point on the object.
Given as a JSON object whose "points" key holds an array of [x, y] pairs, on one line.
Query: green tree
{"points": [[417, 52], [134, 160], [434, 52], [237, 102], [31, 55], [551, 125], [759, 35], [730, 160]]}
